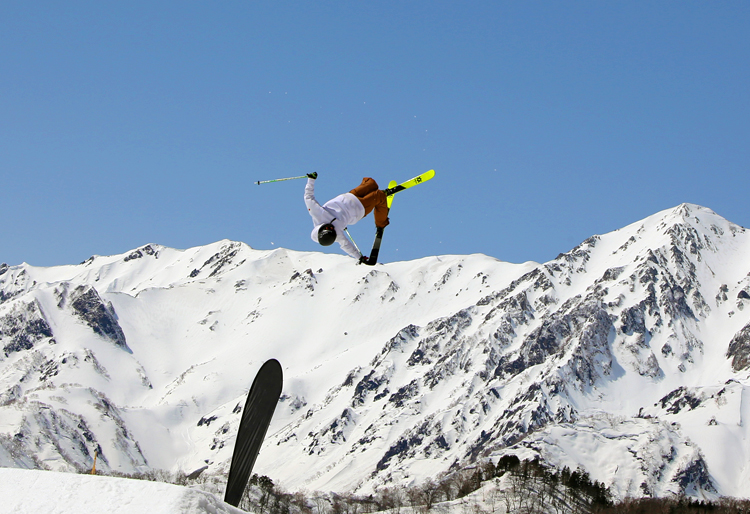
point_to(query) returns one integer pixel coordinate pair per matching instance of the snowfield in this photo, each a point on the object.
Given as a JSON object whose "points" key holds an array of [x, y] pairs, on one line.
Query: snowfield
{"points": [[34, 492], [627, 356]]}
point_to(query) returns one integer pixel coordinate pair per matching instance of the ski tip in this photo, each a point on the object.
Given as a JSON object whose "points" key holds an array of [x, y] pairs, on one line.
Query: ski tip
{"points": [[272, 367], [389, 198]]}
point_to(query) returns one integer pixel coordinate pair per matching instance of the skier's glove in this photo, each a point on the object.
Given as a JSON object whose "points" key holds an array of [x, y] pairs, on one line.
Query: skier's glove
{"points": [[313, 175], [362, 259]]}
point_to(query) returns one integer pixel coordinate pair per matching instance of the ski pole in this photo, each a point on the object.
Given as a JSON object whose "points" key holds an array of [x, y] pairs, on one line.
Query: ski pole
{"points": [[279, 180], [352, 240]]}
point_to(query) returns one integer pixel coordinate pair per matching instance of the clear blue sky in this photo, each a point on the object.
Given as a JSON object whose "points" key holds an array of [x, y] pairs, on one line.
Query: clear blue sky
{"points": [[126, 123]]}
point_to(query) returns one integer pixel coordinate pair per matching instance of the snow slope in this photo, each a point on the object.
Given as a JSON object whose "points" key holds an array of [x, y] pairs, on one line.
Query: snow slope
{"points": [[32, 492], [627, 356]]}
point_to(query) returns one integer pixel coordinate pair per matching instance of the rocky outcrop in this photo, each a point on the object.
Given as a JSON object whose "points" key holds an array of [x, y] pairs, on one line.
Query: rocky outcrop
{"points": [[86, 304], [739, 349], [24, 327]]}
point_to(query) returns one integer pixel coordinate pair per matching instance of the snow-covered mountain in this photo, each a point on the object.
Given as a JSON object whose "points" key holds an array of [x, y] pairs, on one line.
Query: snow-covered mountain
{"points": [[627, 356]]}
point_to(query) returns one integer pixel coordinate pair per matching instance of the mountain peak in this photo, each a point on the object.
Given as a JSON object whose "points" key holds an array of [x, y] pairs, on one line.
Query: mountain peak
{"points": [[699, 217]]}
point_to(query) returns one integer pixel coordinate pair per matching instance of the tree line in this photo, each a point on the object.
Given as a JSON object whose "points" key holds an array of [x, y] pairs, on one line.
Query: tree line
{"points": [[510, 486], [528, 487]]}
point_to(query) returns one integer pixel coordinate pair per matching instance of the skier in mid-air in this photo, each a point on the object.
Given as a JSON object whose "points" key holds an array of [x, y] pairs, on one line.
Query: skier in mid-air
{"points": [[332, 218]]}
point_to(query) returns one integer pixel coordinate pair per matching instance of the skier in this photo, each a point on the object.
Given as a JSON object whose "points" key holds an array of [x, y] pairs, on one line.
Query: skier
{"points": [[332, 218]]}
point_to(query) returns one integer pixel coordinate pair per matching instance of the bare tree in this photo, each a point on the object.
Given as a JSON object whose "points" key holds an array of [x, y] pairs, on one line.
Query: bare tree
{"points": [[391, 498], [321, 503], [468, 481], [495, 495], [447, 485], [519, 491], [299, 500], [414, 495], [429, 493]]}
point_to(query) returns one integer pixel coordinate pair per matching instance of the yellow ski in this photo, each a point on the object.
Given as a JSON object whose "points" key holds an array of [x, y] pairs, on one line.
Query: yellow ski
{"points": [[424, 177]]}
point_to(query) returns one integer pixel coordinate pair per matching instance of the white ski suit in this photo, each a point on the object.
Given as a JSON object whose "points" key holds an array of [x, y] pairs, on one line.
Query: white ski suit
{"points": [[343, 210]]}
